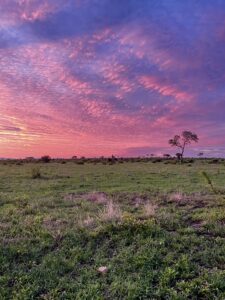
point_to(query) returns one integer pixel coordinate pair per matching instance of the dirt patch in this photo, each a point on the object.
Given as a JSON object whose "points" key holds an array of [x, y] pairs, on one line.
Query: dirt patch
{"points": [[97, 197]]}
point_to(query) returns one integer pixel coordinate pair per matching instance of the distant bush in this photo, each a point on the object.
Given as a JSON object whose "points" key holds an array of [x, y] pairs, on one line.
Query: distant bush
{"points": [[29, 159], [172, 162], [156, 160], [46, 158], [35, 173], [188, 161], [214, 161], [80, 162]]}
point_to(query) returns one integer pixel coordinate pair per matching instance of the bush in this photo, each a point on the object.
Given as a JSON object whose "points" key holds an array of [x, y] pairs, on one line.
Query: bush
{"points": [[214, 161], [46, 158], [35, 173], [157, 160]]}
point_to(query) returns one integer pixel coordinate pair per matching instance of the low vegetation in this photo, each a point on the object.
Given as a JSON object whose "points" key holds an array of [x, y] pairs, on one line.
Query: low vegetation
{"points": [[35, 173], [102, 229]]}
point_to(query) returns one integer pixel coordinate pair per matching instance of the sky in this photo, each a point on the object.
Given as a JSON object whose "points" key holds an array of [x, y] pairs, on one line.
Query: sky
{"points": [[103, 77]]}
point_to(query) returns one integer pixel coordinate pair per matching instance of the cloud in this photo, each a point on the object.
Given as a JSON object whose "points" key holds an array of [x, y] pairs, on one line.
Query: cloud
{"points": [[102, 77]]}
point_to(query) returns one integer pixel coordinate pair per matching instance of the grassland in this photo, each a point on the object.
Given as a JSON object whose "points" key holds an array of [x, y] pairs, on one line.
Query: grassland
{"points": [[158, 228]]}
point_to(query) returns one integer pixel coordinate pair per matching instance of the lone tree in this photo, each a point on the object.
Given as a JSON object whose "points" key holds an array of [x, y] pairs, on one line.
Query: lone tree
{"points": [[180, 141]]}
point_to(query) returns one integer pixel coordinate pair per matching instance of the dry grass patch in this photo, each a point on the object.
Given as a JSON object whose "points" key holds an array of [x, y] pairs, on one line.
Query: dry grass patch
{"points": [[89, 222], [98, 197], [194, 200], [111, 212], [149, 209], [138, 200], [179, 198]]}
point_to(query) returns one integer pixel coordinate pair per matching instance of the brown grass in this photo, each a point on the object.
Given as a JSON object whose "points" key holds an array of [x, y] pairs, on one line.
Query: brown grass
{"points": [[111, 212], [149, 209]]}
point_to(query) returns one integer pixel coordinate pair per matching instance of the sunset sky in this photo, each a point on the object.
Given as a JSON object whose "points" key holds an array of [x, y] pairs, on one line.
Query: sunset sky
{"points": [[103, 77]]}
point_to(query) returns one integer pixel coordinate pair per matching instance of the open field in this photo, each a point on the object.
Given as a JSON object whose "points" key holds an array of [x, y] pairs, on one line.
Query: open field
{"points": [[158, 228]]}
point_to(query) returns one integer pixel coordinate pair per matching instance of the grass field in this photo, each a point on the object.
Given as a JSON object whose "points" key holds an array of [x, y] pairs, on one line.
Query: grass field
{"points": [[158, 228]]}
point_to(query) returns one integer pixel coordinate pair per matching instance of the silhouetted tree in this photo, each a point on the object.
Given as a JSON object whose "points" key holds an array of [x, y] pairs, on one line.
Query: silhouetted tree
{"points": [[200, 154], [179, 156], [181, 141]]}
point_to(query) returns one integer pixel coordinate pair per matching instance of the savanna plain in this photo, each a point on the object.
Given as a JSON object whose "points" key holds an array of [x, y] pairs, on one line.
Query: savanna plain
{"points": [[129, 229]]}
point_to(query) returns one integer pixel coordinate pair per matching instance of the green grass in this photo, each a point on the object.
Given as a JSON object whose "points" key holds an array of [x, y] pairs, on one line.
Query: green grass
{"points": [[57, 230]]}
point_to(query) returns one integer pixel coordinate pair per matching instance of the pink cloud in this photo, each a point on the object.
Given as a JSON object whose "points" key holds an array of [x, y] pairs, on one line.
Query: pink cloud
{"points": [[152, 83]]}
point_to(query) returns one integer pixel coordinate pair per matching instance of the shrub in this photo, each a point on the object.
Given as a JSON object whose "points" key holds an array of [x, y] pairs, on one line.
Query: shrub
{"points": [[35, 173], [214, 161], [46, 158], [157, 160]]}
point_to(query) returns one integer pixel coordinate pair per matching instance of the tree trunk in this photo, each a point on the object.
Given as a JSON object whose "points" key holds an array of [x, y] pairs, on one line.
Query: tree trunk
{"points": [[182, 153]]}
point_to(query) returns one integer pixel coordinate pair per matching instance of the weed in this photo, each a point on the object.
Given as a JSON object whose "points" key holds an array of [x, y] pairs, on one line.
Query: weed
{"points": [[215, 190]]}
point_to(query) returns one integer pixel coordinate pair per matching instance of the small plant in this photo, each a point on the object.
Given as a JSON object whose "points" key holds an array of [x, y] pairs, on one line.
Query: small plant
{"points": [[206, 176], [209, 181], [35, 173]]}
